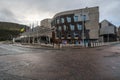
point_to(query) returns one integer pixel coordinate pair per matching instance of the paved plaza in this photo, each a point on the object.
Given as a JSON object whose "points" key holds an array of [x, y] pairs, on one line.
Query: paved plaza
{"points": [[20, 63]]}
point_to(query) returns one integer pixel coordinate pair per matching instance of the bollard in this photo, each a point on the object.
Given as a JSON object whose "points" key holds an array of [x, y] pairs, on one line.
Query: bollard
{"points": [[86, 45], [60, 45], [97, 44], [91, 44]]}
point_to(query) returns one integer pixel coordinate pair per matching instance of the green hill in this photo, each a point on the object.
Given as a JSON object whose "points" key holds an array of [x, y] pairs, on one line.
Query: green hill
{"points": [[10, 30]]}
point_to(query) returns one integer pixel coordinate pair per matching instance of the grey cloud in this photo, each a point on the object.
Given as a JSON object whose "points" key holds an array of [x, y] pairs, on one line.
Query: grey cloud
{"points": [[7, 15], [109, 9]]}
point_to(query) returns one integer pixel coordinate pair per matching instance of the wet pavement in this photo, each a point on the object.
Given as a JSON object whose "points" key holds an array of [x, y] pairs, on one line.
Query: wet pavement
{"points": [[20, 63]]}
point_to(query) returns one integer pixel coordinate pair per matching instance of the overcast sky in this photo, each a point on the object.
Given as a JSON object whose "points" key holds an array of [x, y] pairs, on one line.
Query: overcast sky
{"points": [[29, 11]]}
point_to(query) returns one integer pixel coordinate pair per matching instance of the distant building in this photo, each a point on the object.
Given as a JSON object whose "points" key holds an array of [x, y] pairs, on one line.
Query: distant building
{"points": [[38, 34], [46, 23], [118, 33], [108, 31], [70, 26]]}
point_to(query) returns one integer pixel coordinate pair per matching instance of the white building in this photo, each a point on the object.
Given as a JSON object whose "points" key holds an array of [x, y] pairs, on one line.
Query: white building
{"points": [[38, 34]]}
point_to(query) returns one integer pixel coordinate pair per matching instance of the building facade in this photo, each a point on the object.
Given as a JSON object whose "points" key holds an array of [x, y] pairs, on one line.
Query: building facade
{"points": [[76, 26], [108, 31], [118, 33], [46, 23], [39, 34]]}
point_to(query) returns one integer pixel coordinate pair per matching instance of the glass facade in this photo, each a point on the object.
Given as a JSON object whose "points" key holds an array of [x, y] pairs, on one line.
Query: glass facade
{"points": [[79, 27], [72, 27], [68, 19], [59, 28], [75, 18]]}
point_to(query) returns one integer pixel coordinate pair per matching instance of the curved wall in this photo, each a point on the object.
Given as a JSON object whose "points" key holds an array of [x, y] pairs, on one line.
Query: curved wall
{"points": [[70, 25]]}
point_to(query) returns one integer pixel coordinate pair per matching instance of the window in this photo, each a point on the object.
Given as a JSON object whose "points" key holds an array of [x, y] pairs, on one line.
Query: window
{"points": [[58, 21], [68, 19], [75, 34], [59, 28], [64, 27], [84, 17], [79, 27], [75, 18], [72, 27], [68, 35], [59, 34], [62, 20], [62, 35]]}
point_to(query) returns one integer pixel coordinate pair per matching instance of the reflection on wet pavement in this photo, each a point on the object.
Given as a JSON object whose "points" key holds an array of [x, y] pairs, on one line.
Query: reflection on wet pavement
{"points": [[100, 63]]}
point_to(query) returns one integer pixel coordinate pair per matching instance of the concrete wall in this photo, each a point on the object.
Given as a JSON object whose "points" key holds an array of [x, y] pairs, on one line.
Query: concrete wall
{"points": [[93, 23], [107, 28]]}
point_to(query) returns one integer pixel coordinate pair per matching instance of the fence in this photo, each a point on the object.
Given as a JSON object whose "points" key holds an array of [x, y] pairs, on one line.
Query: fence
{"points": [[86, 45]]}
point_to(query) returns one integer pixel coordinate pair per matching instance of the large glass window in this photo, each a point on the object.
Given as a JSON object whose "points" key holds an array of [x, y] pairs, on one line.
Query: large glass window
{"points": [[58, 21], [59, 28], [79, 27], [72, 27], [68, 35], [68, 19], [83, 17], [65, 28], [62, 20], [75, 34], [75, 18], [62, 35], [58, 34]]}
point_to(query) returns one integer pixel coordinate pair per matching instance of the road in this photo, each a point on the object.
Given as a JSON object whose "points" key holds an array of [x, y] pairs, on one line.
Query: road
{"points": [[20, 63]]}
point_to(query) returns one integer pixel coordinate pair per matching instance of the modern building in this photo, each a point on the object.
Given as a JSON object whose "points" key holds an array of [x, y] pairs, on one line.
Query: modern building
{"points": [[108, 31], [38, 34], [76, 26]]}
